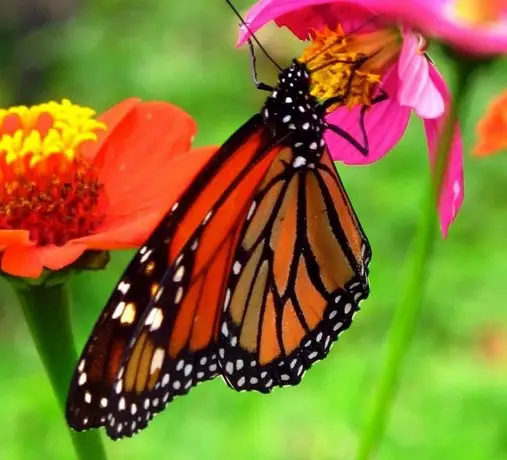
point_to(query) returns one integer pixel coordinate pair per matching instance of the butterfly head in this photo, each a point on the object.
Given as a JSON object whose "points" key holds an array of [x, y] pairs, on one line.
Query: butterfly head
{"points": [[295, 116]]}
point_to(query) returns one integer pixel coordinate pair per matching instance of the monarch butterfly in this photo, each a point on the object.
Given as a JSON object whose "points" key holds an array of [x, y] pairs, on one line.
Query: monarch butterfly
{"points": [[252, 275]]}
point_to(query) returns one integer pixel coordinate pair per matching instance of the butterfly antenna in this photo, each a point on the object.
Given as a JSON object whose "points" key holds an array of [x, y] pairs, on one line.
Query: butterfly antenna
{"points": [[245, 25], [253, 62]]}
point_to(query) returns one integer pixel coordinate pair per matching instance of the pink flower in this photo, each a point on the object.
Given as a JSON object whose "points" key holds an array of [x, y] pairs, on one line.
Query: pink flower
{"points": [[396, 66], [473, 26]]}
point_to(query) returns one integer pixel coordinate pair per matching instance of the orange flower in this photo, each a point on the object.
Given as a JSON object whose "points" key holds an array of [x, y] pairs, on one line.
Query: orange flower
{"points": [[492, 128], [70, 182]]}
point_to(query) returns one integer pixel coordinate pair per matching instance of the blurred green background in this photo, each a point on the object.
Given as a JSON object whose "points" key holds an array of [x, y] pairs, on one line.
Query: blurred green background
{"points": [[453, 398]]}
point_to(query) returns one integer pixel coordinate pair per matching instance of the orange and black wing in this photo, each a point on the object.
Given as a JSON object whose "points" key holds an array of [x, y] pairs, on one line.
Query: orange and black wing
{"points": [[157, 335], [297, 277]]}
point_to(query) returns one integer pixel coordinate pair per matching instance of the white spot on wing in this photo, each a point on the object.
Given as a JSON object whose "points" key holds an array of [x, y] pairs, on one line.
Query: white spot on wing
{"points": [[118, 310], [178, 296], [207, 217], [227, 298], [337, 326], [82, 379], [251, 210], [146, 256], [159, 293], [157, 360], [129, 314], [123, 287], [178, 276], [158, 317]]}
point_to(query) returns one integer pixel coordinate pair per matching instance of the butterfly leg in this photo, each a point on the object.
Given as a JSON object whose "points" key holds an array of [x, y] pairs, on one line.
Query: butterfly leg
{"points": [[253, 61], [363, 147]]}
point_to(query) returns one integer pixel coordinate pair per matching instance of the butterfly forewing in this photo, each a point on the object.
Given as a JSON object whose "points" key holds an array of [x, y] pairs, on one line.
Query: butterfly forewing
{"points": [[88, 403], [177, 344], [156, 338]]}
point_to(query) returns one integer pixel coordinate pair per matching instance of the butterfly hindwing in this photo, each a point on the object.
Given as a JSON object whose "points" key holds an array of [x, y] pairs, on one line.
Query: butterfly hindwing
{"points": [[298, 274]]}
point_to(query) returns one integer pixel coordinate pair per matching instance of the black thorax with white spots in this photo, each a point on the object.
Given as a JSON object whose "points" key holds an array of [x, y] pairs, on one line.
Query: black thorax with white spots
{"points": [[294, 116]]}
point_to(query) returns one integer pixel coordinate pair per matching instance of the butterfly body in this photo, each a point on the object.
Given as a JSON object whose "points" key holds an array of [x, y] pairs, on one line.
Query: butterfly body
{"points": [[252, 275], [294, 115]]}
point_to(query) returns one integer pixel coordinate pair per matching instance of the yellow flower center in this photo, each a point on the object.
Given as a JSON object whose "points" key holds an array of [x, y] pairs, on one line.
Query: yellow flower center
{"points": [[331, 57], [479, 11], [47, 186]]}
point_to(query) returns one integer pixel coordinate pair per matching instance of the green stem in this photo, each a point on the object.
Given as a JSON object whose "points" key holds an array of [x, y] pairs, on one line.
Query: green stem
{"points": [[407, 313], [46, 309]]}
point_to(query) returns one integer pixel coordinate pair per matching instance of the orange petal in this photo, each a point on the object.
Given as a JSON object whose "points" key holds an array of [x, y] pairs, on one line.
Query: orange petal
{"points": [[129, 234], [146, 139], [137, 160], [492, 128], [28, 262], [112, 118], [124, 229], [14, 238], [58, 257], [22, 261]]}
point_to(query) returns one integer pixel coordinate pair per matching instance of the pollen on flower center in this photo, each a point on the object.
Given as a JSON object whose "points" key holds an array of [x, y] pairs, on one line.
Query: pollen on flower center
{"points": [[349, 66], [47, 186]]}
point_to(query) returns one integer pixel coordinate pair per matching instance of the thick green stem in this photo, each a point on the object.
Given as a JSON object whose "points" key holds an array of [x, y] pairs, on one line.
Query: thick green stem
{"points": [[407, 313], [46, 309]]}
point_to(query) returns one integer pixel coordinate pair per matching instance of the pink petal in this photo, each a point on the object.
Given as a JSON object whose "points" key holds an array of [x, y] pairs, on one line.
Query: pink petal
{"points": [[433, 18], [451, 197], [303, 16], [417, 89], [385, 124], [437, 18]]}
